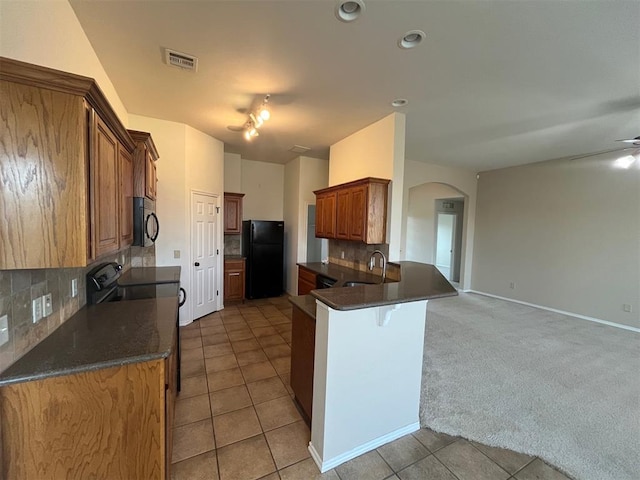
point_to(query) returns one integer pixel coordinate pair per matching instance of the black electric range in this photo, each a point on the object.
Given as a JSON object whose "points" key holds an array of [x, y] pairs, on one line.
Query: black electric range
{"points": [[103, 286]]}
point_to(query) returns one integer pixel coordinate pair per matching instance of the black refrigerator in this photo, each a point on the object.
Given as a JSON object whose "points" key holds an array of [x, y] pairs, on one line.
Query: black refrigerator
{"points": [[263, 248]]}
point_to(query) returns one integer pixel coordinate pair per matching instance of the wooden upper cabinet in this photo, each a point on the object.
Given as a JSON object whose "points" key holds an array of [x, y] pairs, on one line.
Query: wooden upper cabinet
{"points": [[357, 210], [61, 192], [145, 179], [326, 215], [126, 197], [233, 212]]}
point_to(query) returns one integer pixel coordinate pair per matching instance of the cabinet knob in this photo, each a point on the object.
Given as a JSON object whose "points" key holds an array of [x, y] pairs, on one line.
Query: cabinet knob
{"points": [[197, 264]]}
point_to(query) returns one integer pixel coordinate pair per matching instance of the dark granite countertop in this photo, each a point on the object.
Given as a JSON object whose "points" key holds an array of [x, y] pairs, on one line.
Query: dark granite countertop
{"points": [[341, 274], [149, 275], [101, 336], [418, 281], [306, 303]]}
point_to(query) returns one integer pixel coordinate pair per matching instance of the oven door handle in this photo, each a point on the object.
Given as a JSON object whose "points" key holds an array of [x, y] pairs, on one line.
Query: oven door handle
{"points": [[184, 296]]}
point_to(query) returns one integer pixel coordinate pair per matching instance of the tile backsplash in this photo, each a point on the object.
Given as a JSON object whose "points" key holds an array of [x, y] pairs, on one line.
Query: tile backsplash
{"points": [[19, 287], [232, 244], [356, 256]]}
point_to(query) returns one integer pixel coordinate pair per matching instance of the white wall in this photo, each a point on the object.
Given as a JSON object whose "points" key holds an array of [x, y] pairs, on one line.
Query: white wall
{"points": [[421, 220], [232, 172], [292, 209], [189, 160], [566, 233], [48, 33], [463, 180], [263, 186], [375, 151]]}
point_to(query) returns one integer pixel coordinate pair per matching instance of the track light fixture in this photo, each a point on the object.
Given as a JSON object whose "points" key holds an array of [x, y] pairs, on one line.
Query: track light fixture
{"points": [[255, 121]]}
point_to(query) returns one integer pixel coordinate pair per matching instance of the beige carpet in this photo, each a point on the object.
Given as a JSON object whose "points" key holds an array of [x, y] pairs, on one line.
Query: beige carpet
{"points": [[537, 382]]}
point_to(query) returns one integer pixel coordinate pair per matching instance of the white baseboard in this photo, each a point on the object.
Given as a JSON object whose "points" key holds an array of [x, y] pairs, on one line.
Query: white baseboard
{"points": [[571, 314], [327, 465]]}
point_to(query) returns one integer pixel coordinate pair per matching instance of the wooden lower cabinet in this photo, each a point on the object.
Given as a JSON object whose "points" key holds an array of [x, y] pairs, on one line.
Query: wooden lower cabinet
{"points": [[306, 281], [108, 423], [234, 275], [303, 344]]}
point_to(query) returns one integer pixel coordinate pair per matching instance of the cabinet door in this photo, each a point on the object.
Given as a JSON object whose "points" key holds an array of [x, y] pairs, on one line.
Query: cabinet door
{"points": [[232, 214], [357, 213], [234, 279], [303, 335], [126, 198], [326, 215], [105, 182], [343, 215]]}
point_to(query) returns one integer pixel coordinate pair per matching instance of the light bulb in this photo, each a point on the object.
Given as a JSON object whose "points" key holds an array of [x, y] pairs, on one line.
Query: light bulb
{"points": [[624, 162], [247, 135], [264, 114], [257, 122]]}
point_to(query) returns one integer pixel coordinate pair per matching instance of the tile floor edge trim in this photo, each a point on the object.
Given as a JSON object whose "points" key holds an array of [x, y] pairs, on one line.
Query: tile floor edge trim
{"points": [[555, 310], [327, 465]]}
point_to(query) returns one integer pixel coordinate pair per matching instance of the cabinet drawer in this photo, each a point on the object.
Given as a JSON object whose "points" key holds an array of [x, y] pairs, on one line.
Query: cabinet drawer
{"points": [[306, 275]]}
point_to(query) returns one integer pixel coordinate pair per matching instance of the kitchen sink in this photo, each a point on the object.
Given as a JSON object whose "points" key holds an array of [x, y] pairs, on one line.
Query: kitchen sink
{"points": [[353, 283]]}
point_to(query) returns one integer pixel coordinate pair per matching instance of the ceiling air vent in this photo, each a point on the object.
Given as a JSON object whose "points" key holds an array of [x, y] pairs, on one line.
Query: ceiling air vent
{"points": [[181, 60], [299, 149]]}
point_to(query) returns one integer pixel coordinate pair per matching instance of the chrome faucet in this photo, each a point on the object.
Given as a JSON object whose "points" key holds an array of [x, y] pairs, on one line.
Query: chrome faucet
{"points": [[384, 263]]}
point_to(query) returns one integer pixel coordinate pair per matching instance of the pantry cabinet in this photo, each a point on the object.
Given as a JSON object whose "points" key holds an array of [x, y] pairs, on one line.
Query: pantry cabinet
{"points": [[61, 162], [355, 211]]}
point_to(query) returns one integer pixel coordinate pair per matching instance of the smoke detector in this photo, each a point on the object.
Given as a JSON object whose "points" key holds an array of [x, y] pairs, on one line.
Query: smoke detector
{"points": [[181, 60]]}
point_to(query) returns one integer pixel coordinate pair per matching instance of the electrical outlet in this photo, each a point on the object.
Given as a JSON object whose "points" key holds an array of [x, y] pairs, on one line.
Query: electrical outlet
{"points": [[176, 254], [47, 305], [36, 309], [74, 287], [4, 330], [512, 285], [627, 308], [342, 254]]}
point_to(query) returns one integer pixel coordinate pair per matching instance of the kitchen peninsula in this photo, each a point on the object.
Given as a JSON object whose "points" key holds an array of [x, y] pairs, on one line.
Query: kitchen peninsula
{"points": [[368, 352]]}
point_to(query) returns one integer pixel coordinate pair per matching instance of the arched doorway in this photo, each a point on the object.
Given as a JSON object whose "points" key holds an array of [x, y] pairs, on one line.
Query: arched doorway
{"points": [[436, 227]]}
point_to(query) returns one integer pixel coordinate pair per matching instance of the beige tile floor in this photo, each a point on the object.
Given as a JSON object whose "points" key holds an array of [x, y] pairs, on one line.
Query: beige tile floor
{"points": [[235, 418]]}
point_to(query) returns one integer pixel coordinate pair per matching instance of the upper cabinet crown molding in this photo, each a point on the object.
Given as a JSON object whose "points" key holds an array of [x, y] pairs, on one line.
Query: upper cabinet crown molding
{"points": [[65, 82]]}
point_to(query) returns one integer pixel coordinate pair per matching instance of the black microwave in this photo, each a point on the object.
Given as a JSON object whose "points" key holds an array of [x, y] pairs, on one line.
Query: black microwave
{"points": [[145, 222]]}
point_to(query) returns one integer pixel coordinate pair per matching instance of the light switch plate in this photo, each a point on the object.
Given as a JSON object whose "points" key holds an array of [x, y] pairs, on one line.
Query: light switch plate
{"points": [[36, 309], [4, 330], [47, 305], [176, 254]]}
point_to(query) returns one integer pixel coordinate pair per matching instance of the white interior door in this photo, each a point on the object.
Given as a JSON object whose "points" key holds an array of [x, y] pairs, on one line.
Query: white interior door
{"points": [[445, 235], [204, 254]]}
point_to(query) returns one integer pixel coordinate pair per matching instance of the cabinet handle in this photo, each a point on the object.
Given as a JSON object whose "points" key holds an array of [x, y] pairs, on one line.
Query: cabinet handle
{"points": [[234, 274]]}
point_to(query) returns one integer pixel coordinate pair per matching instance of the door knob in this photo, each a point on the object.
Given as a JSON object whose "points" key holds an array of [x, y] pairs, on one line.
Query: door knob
{"points": [[197, 264]]}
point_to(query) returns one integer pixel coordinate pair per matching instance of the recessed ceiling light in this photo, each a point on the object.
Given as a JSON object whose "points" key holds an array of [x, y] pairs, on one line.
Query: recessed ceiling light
{"points": [[348, 11], [411, 39], [400, 102]]}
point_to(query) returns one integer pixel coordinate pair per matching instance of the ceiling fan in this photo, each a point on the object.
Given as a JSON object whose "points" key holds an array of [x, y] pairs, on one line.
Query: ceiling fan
{"points": [[630, 156]]}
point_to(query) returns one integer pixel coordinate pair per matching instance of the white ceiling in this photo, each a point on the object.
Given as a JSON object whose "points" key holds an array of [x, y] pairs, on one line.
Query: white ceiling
{"points": [[495, 83]]}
